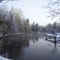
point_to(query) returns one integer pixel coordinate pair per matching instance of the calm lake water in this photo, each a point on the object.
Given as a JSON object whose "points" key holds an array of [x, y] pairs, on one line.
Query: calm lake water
{"points": [[32, 48]]}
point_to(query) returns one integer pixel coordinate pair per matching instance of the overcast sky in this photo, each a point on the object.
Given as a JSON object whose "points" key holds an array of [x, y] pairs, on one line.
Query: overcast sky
{"points": [[32, 9]]}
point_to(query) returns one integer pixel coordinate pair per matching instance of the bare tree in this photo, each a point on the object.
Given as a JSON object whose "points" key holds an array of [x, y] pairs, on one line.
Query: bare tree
{"points": [[7, 0], [54, 8]]}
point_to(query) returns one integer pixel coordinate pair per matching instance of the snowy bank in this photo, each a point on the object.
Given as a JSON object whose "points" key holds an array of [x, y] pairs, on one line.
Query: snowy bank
{"points": [[3, 58]]}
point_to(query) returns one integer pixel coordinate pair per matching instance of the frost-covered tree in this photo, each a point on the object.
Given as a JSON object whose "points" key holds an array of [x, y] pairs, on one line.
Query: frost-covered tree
{"points": [[11, 20], [5, 22], [26, 26]]}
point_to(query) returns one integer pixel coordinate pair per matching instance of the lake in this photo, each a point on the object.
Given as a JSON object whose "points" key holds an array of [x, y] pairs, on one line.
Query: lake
{"points": [[31, 48]]}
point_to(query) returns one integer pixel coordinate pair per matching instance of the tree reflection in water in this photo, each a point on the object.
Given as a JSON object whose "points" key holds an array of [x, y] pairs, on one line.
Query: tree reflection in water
{"points": [[16, 47]]}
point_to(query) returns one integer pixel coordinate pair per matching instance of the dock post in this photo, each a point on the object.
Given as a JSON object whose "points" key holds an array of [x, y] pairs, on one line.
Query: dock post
{"points": [[55, 38]]}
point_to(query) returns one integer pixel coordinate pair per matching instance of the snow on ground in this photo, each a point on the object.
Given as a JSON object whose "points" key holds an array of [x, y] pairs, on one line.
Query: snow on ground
{"points": [[57, 35], [3, 58]]}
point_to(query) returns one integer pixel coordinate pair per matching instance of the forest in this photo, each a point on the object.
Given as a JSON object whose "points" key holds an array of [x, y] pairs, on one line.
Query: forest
{"points": [[13, 22]]}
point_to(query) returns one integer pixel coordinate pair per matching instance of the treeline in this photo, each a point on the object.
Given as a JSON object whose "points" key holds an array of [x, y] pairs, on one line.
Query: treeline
{"points": [[52, 28], [13, 22]]}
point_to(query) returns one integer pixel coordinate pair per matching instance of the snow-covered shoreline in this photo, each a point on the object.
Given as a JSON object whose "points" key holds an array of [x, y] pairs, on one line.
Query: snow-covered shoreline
{"points": [[3, 58], [53, 37]]}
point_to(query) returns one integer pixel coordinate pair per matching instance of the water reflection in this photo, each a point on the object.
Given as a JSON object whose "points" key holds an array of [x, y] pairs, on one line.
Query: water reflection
{"points": [[30, 48], [15, 49], [54, 48]]}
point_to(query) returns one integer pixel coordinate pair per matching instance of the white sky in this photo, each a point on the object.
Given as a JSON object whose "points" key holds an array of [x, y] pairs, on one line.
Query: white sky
{"points": [[32, 9]]}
